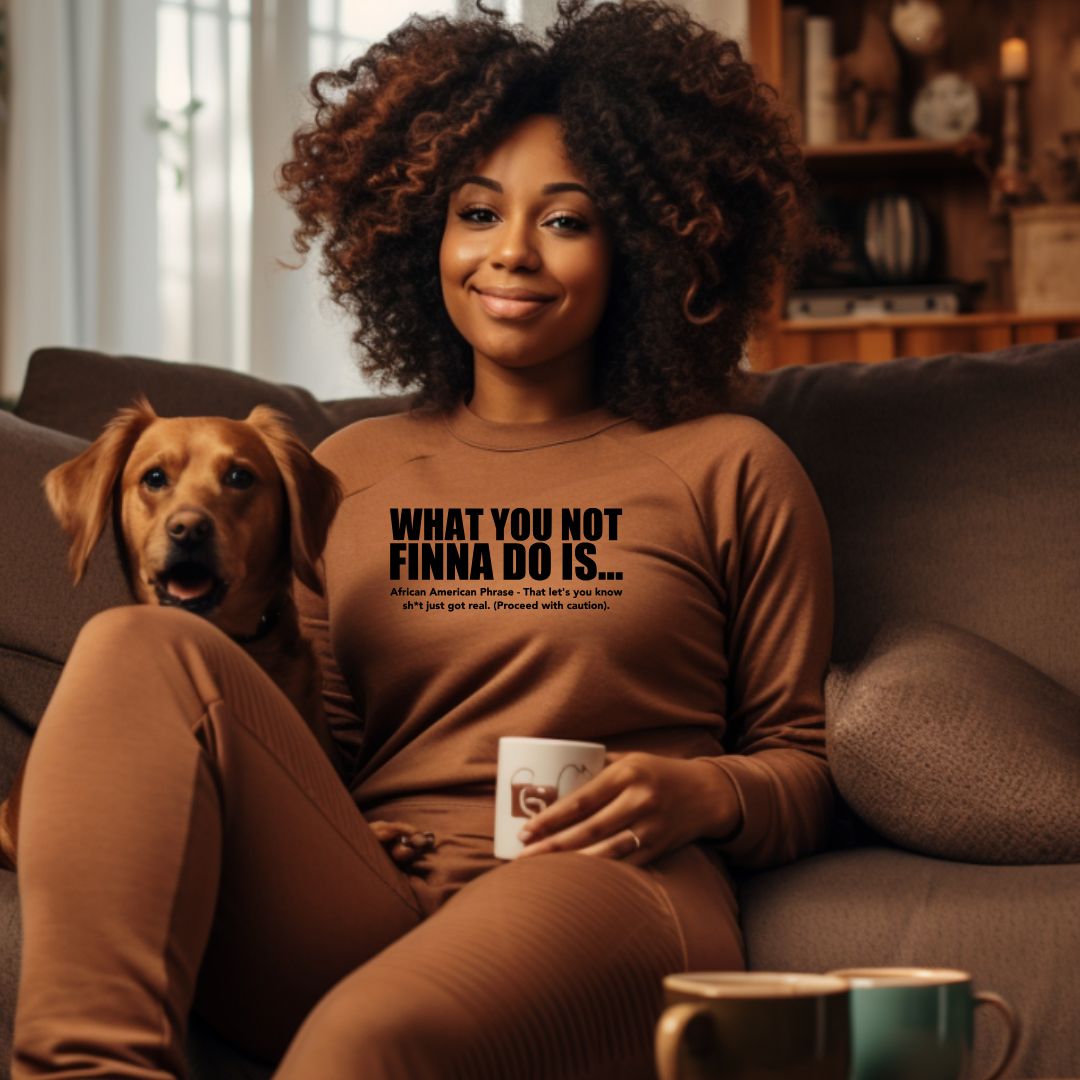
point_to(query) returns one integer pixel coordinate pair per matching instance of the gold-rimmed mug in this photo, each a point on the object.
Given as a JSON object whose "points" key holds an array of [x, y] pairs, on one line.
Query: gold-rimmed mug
{"points": [[753, 1025]]}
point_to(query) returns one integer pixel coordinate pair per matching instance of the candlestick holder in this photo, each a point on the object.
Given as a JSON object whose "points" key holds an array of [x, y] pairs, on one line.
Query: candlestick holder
{"points": [[1012, 183]]}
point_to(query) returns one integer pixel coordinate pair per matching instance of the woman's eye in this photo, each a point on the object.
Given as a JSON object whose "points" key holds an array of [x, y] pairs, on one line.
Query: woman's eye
{"points": [[467, 215], [576, 225], [239, 478], [155, 478]]}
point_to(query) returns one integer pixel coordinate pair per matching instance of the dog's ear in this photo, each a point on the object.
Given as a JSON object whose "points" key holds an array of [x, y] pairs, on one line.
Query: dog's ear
{"points": [[312, 490], [80, 491]]}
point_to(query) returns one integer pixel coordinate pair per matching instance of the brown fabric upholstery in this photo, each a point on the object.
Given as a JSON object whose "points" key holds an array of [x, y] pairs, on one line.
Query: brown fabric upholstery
{"points": [[42, 611], [10, 951], [77, 391], [1016, 928], [949, 745], [950, 489]]}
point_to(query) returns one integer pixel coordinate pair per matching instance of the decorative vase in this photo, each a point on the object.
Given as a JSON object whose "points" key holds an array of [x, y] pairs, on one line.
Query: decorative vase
{"points": [[894, 238]]}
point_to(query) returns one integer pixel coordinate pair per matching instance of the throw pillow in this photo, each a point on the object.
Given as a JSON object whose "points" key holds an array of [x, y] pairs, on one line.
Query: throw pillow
{"points": [[953, 746]]}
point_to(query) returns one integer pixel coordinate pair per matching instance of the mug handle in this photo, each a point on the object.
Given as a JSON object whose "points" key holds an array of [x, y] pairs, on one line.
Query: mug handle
{"points": [[987, 997], [670, 1032]]}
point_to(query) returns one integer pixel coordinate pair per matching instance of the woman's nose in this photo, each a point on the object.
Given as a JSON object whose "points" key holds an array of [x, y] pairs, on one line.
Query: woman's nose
{"points": [[515, 245]]}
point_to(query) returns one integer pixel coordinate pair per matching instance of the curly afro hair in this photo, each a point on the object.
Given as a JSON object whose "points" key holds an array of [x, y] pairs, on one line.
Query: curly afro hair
{"points": [[692, 160]]}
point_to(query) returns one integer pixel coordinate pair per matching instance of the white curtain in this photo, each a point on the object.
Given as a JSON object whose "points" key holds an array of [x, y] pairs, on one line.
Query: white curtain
{"points": [[289, 342], [140, 148], [79, 229]]}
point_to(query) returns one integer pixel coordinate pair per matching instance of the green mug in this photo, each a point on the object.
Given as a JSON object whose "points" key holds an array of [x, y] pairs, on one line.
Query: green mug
{"points": [[752, 1026], [918, 1023]]}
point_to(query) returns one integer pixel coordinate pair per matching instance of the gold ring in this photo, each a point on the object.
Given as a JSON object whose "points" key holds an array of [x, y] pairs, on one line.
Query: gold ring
{"points": [[637, 842], [409, 841]]}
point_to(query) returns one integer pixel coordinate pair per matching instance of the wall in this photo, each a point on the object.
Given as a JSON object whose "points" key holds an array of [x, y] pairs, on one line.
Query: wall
{"points": [[728, 17]]}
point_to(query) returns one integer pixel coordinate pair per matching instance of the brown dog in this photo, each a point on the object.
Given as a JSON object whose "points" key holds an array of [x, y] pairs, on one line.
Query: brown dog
{"points": [[215, 516]]}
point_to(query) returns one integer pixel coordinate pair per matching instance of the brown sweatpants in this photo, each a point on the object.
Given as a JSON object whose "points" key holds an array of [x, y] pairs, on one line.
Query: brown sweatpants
{"points": [[185, 844]]}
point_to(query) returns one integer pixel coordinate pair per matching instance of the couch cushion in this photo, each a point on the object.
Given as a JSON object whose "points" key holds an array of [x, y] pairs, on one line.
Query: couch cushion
{"points": [[77, 391], [42, 611], [1015, 928], [949, 745], [950, 488], [10, 950]]}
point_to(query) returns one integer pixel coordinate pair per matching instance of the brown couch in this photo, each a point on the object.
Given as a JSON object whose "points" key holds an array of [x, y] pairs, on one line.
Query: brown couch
{"points": [[951, 489]]}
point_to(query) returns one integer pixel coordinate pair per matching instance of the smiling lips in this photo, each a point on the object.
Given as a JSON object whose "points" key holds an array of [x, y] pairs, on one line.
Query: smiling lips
{"points": [[503, 308]]}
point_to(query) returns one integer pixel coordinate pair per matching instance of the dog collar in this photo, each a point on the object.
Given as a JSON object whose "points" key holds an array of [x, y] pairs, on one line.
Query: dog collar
{"points": [[266, 623]]}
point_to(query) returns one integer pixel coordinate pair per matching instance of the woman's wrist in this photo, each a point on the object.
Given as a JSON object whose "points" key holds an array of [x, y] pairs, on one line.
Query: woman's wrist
{"points": [[721, 811]]}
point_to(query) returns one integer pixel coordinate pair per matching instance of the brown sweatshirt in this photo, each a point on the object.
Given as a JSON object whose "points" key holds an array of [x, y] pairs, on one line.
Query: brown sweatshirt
{"points": [[668, 591]]}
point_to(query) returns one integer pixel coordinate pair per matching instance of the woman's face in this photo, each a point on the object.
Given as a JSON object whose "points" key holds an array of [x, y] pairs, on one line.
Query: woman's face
{"points": [[504, 230]]}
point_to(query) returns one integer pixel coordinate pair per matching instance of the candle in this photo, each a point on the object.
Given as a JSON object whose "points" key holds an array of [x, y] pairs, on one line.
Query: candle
{"points": [[1014, 58]]}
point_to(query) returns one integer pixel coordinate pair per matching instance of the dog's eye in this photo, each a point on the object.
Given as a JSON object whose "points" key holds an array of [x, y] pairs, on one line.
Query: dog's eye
{"points": [[239, 478], [155, 478]]}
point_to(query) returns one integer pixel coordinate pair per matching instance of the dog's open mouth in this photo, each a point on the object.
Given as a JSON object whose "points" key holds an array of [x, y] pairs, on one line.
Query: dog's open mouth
{"points": [[191, 585]]}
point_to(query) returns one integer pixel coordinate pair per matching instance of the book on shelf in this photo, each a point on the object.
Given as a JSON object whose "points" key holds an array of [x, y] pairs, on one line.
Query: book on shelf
{"points": [[819, 82], [808, 80]]}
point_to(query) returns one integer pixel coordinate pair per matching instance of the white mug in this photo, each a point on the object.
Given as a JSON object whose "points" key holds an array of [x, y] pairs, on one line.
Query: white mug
{"points": [[532, 774]]}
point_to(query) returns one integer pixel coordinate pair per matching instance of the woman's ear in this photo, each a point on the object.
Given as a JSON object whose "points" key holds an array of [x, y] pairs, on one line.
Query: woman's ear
{"points": [[80, 491], [313, 492]]}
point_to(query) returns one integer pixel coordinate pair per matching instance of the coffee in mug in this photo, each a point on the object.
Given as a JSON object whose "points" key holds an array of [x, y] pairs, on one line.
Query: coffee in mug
{"points": [[743, 1025], [532, 774], [918, 1023]]}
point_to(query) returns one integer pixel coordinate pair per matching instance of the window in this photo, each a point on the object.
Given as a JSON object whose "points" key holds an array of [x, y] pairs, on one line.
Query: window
{"points": [[204, 179], [342, 28], [205, 121]]}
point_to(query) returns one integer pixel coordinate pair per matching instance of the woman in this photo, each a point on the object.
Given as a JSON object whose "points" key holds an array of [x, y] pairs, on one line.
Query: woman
{"points": [[637, 183]]}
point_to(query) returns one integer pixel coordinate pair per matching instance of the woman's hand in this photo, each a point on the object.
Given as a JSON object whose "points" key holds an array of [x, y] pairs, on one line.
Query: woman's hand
{"points": [[390, 834], [666, 801]]}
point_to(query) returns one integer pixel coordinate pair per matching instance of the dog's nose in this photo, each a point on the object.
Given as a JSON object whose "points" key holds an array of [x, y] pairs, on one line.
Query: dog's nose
{"points": [[189, 528]]}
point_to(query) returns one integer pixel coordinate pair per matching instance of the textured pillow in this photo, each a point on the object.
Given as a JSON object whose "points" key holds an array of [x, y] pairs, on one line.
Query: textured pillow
{"points": [[950, 745]]}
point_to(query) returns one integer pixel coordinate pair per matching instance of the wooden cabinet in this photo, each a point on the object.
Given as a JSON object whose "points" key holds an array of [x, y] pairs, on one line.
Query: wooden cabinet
{"points": [[866, 341], [948, 178]]}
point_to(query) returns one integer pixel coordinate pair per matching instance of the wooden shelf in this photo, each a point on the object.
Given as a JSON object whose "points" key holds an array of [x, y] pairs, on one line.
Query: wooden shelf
{"points": [[907, 155], [975, 318], [948, 177], [872, 339]]}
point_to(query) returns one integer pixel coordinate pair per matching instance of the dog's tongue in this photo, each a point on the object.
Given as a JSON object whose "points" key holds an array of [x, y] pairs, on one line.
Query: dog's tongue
{"points": [[191, 590]]}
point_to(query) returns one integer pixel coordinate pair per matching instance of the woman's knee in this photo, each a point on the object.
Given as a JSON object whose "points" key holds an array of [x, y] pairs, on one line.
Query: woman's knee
{"points": [[142, 642], [130, 663], [135, 625]]}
